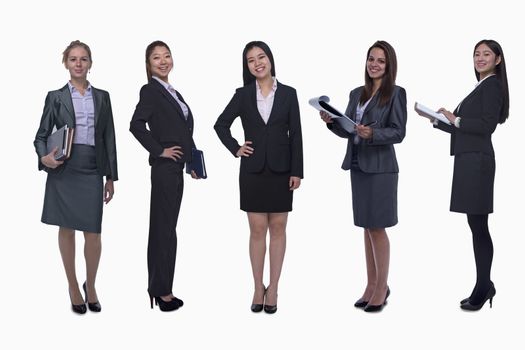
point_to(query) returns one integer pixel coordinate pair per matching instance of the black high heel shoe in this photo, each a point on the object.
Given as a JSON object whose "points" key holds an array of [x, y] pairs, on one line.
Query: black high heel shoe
{"points": [[79, 308], [258, 307], [377, 308], [475, 307], [178, 301], [164, 305], [270, 309], [95, 307]]}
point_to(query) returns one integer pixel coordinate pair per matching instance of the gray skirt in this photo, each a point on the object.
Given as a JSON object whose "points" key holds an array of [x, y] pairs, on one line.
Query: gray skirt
{"points": [[374, 199], [74, 196]]}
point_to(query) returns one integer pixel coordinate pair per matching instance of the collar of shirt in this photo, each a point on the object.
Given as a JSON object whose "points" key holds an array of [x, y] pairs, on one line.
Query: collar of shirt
{"points": [[488, 76], [73, 89], [260, 96], [167, 86]]}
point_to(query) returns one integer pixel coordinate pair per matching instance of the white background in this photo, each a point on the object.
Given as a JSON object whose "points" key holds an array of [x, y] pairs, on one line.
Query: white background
{"points": [[319, 48]]}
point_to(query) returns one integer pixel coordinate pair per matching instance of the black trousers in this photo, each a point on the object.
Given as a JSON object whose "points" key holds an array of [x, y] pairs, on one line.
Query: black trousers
{"points": [[167, 185]]}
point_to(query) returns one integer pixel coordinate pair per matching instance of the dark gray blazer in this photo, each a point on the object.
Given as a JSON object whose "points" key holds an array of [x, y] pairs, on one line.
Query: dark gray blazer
{"points": [[277, 143], [377, 154], [59, 111]]}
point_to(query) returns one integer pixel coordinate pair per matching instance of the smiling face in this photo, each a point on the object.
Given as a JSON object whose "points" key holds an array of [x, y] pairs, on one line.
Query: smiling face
{"points": [[160, 62], [258, 63], [376, 64], [78, 63], [485, 61]]}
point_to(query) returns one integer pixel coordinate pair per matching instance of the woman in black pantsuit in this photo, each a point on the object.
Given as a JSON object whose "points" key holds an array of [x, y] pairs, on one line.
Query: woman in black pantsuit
{"points": [[271, 162], [379, 110], [74, 189], [169, 142], [473, 123]]}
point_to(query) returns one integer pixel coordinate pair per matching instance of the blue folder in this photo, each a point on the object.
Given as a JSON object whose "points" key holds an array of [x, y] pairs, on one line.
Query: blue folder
{"points": [[197, 164]]}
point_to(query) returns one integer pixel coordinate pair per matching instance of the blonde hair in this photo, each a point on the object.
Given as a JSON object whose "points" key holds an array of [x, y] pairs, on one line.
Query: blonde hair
{"points": [[71, 46]]}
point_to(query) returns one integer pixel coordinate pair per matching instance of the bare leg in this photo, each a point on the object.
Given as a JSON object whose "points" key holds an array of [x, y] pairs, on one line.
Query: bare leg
{"points": [[66, 244], [258, 228], [371, 272], [277, 224], [381, 249], [92, 250]]}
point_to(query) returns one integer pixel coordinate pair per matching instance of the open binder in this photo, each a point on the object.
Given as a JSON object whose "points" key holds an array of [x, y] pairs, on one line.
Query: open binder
{"points": [[321, 103]]}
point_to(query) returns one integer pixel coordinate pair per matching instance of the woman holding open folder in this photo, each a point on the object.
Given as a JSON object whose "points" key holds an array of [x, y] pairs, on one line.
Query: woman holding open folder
{"points": [[74, 189], [379, 109], [169, 141], [471, 126], [271, 162]]}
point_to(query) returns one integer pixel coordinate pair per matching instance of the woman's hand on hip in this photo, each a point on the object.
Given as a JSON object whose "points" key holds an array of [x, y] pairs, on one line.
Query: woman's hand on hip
{"points": [[245, 150], [175, 153]]}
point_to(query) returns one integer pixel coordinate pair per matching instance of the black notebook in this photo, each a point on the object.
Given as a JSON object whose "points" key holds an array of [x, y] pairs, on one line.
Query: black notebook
{"points": [[62, 139], [197, 164]]}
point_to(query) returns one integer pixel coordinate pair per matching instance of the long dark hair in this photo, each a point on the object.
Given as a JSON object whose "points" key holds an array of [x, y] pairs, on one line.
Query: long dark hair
{"points": [[389, 78], [501, 75], [248, 77], [149, 51]]}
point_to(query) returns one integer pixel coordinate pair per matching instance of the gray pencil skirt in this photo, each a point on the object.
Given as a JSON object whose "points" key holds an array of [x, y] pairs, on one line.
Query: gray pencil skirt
{"points": [[74, 196], [374, 199]]}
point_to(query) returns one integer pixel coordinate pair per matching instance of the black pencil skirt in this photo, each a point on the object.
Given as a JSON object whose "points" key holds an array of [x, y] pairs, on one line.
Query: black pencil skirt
{"points": [[74, 196], [265, 192], [473, 183]]}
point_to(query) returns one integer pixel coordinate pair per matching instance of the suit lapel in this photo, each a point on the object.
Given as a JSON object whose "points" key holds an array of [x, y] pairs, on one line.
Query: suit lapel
{"points": [[277, 101], [97, 103], [168, 96], [67, 102], [253, 99], [372, 104]]}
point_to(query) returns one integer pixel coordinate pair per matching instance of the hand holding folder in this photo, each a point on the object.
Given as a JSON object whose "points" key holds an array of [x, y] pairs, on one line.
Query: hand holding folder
{"points": [[429, 113], [321, 103], [62, 139], [197, 164]]}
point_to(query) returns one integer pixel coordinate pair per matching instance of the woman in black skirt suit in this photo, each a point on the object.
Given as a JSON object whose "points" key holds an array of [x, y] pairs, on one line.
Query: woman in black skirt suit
{"points": [[473, 123], [74, 187], [379, 109], [271, 162]]}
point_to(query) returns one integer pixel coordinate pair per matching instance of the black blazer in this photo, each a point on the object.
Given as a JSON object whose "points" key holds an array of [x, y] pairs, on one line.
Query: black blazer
{"points": [[377, 154], [277, 143], [59, 111], [479, 113], [166, 122]]}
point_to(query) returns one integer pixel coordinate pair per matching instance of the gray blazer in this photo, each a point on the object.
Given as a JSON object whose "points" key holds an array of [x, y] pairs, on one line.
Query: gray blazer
{"points": [[59, 111], [377, 154]]}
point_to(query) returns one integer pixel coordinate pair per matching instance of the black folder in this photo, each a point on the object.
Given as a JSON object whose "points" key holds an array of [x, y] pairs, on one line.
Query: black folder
{"points": [[197, 164]]}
